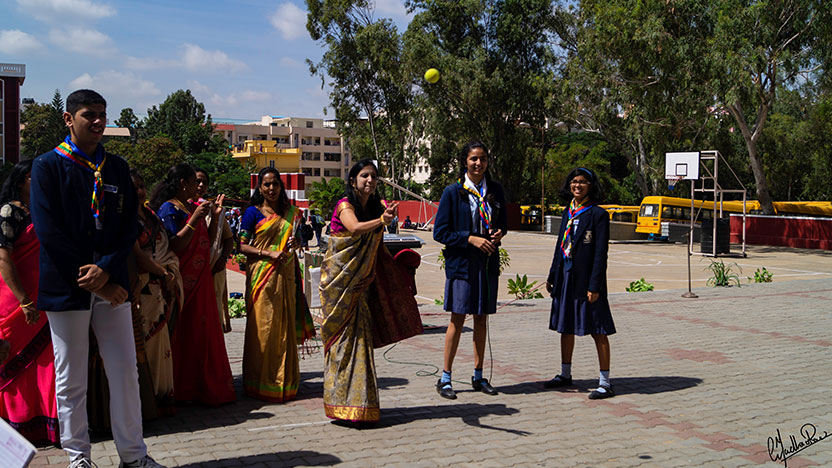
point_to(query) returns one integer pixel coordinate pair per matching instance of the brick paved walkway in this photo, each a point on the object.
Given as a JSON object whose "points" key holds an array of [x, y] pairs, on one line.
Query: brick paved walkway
{"points": [[700, 382]]}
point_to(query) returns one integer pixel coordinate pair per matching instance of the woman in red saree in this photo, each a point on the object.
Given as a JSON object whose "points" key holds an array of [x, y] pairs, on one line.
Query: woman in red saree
{"points": [[27, 377], [201, 371]]}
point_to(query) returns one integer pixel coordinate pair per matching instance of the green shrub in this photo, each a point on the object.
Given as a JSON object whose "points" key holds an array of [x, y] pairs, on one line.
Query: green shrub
{"points": [[522, 289], [723, 273], [639, 286], [761, 276]]}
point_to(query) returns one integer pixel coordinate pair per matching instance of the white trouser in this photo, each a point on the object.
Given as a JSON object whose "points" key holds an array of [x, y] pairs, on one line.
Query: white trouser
{"points": [[113, 328]]}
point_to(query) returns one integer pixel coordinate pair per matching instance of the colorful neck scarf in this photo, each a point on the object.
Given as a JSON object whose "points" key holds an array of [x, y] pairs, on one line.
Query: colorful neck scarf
{"points": [[70, 151], [482, 207], [573, 212]]}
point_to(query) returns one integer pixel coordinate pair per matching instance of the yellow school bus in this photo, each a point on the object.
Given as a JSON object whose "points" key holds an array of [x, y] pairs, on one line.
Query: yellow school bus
{"points": [[654, 210], [622, 213]]}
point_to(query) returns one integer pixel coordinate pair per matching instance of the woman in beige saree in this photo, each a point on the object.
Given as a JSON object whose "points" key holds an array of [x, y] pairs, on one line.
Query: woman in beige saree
{"points": [[359, 297], [158, 295]]}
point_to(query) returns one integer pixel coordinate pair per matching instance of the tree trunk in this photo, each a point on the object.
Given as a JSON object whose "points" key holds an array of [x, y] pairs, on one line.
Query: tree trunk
{"points": [[763, 194]]}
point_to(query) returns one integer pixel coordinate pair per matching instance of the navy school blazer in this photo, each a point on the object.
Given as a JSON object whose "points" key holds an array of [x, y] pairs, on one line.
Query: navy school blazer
{"points": [[60, 200], [590, 247], [453, 225]]}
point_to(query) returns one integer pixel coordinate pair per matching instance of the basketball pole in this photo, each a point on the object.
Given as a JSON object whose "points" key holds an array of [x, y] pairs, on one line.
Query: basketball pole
{"points": [[690, 294]]}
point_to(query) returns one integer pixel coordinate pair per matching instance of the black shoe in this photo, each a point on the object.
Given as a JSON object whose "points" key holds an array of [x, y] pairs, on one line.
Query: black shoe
{"points": [[482, 385], [445, 390], [607, 393], [558, 381]]}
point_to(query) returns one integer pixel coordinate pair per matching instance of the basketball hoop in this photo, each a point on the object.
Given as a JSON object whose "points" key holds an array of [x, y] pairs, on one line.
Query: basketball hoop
{"points": [[671, 183]]}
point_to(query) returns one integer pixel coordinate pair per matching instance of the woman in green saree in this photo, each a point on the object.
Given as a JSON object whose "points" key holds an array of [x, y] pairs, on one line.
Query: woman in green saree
{"points": [[363, 303], [278, 318]]}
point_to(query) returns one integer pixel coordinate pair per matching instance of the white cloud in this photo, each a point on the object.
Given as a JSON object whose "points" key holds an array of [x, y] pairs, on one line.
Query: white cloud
{"points": [[199, 88], [227, 102], [289, 20], [58, 10], [83, 41], [147, 63], [289, 62], [111, 82], [196, 58], [391, 7], [14, 42], [235, 99]]}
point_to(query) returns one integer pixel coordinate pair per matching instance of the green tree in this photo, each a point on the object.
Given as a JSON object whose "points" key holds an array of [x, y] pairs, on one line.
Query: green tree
{"points": [[227, 175], [325, 194], [631, 75], [182, 118], [43, 127], [756, 48], [128, 119], [371, 91], [152, 157], [497, 70]]}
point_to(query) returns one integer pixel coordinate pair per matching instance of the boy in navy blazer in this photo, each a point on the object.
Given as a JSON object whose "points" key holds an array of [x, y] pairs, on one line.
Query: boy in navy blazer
{"points": [[83, 207]]}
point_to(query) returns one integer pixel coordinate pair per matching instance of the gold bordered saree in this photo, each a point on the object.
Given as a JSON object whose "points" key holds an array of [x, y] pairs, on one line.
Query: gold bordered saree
{"points": [[278, 318], [363, 309]]}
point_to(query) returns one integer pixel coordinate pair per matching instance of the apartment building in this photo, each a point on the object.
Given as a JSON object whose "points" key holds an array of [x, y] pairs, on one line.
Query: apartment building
{"points": [[313, 144], [11, 79]]}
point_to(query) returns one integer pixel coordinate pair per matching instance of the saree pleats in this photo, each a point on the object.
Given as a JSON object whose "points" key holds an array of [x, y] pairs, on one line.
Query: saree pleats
{"points": [[350, 388], [27, 378]]}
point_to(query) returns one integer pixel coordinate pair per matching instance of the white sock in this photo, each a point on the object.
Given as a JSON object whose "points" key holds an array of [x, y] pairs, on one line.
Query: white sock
{"points": [[566, 370], [604, 380]]}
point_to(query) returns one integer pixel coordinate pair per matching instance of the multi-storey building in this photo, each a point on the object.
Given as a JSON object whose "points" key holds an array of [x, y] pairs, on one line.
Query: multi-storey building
{"points": [[11, 79], [281, 142]]}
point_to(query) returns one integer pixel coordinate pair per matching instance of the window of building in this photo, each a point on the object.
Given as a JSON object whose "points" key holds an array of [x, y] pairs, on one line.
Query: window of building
{"points": [[317, 171], [309, 124], [307, 171], [309, 156], [332, 156], [332, 172], [271, 163]]}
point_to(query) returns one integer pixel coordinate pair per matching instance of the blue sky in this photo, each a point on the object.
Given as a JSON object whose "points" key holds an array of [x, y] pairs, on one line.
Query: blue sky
{"points": [[242, 58]]}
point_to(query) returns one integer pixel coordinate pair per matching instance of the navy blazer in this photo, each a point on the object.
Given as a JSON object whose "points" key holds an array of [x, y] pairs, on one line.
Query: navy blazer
{"points": [[453, 225], [60, 198], [590, 247]]}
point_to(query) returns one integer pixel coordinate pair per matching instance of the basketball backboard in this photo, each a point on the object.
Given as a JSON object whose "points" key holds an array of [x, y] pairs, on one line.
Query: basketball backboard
{"points": [[684, 165]]}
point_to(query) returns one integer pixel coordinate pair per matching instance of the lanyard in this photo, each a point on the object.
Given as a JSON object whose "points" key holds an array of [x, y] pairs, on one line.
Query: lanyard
{"points": [[69, 151], [573, 212], [482, 206]]}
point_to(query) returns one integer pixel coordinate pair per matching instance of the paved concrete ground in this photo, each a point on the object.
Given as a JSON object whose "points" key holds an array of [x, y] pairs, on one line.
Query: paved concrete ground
{"points": [[700, 382]]}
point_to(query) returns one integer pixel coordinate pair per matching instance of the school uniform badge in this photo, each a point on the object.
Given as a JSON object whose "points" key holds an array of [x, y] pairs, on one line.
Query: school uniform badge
{"points": [[588, 237]]}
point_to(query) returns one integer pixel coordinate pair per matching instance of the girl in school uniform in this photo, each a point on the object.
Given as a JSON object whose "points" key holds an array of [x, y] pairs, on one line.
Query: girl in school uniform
{"points": [[470, 222], [578, 278]]}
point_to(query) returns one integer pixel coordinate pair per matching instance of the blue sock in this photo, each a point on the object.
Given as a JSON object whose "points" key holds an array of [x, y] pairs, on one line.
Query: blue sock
{"points": [[477, 374], [446, 377]]}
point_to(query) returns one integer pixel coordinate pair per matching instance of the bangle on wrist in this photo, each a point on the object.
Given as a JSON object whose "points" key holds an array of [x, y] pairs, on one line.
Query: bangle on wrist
{"points": [[260, 252], [188, 225], [381, 218], [23, 306]]}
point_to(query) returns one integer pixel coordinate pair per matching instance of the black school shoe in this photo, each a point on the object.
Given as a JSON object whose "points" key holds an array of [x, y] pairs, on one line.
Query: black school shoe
{"points": [[596, 395], [482, 385], [558, 381], [445, 390]]}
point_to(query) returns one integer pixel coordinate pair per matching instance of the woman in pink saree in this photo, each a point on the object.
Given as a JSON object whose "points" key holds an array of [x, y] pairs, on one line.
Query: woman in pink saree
{"points": [[27, 377]]}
